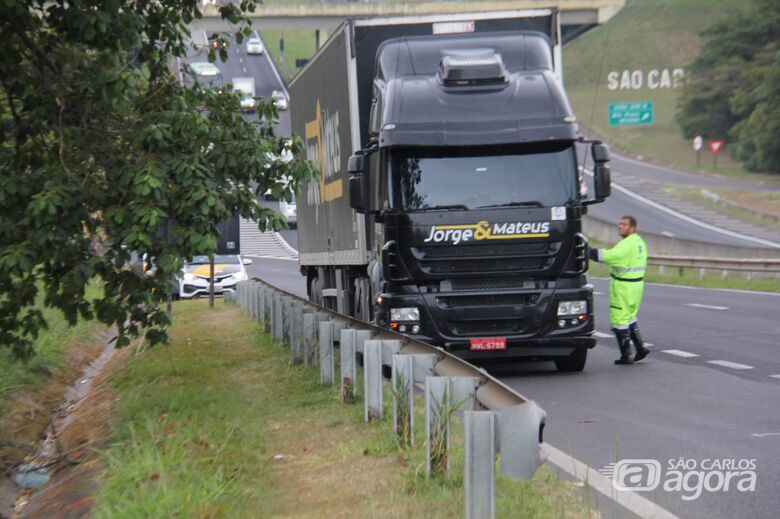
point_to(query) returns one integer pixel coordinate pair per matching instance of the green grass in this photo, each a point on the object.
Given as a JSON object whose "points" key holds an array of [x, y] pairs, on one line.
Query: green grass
{"points": [[51, 348], [199, 425], [645, 35], [695, 195], [297, 45]]}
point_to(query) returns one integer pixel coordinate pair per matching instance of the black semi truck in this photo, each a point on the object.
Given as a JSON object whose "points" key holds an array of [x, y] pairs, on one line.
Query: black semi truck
{"points": [[450, 204]]}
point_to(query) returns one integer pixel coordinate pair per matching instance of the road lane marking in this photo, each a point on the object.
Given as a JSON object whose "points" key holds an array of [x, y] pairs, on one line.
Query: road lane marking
{"points": [[687, 218], [680, 353], [598, 293], [667, 233], [775, 376], [602, 335], [709, 307], [729, 364], [763, 435], [633, 501]]}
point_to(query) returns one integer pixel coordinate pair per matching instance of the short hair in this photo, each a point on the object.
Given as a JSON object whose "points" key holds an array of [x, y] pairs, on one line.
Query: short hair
{"points": [[630, 219]]}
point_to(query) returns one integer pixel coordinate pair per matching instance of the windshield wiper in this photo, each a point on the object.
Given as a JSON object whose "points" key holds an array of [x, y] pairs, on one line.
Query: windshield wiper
{"points": [[443, 207], [527, 203]]}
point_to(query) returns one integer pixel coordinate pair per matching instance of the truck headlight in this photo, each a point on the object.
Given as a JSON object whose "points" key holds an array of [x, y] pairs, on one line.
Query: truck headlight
{"points": [[239, 276], [189, 276], [405, 314], [572, 307]]}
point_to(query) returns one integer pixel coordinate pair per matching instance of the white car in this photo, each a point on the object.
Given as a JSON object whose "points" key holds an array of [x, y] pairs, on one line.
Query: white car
{"points": [[254, 46], [290, 211], [228, 270], [279, 100]]}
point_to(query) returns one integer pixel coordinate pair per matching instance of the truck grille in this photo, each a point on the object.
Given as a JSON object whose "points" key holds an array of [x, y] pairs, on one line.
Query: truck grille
{"points": [[487, 327], [507, 258], [488, 300]]}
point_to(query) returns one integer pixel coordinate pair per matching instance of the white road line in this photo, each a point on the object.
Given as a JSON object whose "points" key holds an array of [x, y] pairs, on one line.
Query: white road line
{"points": [[775, 376], [602, 335], [667, 233], [729, 364], [598, 293], [763, 435], [687, 218], [635, 503], [709, 307], [680, 353]]}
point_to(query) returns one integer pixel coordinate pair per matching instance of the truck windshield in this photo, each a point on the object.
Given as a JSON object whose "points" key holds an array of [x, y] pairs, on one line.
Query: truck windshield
{"points": [[539, 175]]}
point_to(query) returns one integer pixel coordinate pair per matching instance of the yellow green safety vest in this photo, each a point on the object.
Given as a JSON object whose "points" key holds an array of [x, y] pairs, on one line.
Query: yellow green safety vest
{"points": [[627, 259]]}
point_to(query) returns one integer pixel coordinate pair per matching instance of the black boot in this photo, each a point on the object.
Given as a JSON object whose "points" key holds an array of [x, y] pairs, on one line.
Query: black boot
{"points": [[624, 343], [639, 344]]}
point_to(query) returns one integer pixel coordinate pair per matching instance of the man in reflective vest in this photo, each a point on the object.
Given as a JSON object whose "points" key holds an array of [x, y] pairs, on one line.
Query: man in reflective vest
{"points": [[627, 264]]}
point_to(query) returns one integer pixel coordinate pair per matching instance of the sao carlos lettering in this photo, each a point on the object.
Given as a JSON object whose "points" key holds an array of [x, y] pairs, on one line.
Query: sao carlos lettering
{"points": [[484, 230]]}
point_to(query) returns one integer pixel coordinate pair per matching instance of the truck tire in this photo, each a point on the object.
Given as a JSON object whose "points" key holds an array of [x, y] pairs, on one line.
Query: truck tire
{"points": [[574, 362]]}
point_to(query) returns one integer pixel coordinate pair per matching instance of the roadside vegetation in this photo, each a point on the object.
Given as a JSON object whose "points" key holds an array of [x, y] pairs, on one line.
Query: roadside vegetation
{"points": [[220, 424], [761, 208], [31, 389], [645, 36]]}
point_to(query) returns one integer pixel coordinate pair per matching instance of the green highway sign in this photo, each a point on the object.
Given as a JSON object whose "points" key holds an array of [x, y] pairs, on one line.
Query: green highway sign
{"points": [[631, 113]]}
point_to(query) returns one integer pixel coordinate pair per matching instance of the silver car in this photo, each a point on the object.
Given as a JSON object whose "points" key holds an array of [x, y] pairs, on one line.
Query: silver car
{"points": [[228, 270], [255, 46]]}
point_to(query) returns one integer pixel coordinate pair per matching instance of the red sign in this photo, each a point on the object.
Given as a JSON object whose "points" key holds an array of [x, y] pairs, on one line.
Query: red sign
{"points": [[715, 146], [494, 343]]}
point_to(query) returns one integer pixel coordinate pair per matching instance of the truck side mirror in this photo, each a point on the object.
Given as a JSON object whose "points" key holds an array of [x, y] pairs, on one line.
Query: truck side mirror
{"points": [[601, 181], [600, 153], [358, 184]]}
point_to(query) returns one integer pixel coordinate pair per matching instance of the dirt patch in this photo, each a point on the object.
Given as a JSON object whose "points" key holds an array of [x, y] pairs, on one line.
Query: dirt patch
{"points": [[70, 492], [28, 412]]}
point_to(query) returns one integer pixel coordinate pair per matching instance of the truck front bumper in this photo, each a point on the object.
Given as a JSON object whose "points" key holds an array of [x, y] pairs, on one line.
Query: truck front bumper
{"points": [[527, 319]]}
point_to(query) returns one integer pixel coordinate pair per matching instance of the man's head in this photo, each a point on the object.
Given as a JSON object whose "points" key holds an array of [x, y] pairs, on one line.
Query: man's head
{"points": [[626, 226]]}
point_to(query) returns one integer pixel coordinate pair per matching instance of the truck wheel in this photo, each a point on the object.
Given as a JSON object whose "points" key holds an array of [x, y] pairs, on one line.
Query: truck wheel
{"points": [[574, 362], [315, 291]]}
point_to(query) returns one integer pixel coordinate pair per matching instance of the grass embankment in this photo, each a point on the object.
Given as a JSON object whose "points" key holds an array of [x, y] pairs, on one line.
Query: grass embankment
{"points": [[220, 424], [761, 208], [297, 45], [31, 390], [644, 36]]}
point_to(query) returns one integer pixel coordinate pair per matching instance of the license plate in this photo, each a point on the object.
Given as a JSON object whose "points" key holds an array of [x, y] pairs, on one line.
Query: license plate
{"points": [[493, 343]]}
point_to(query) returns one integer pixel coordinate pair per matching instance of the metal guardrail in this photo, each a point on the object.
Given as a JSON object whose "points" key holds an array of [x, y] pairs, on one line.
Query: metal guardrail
{"points": [[496, 418], [743, 265]]}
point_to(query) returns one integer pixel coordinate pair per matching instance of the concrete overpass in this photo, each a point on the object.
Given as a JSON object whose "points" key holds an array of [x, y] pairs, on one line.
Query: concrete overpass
{"points": [[324, 17]]}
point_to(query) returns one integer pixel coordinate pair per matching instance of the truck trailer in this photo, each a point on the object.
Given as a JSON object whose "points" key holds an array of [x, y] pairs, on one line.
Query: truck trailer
{"points": [[449, 205]]}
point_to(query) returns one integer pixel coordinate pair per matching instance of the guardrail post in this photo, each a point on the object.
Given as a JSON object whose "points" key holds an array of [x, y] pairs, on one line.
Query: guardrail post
{"points": [[326, 352], [372, 378], [437, 425], [479, 471], [277, 324], [251, 296], [347, 365], [423, 366], [361, 336], [519, 439], [269, 310], [403, 398], [309, 338], [289, 309], [390, 348], [296, 328], [261, 306]]}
